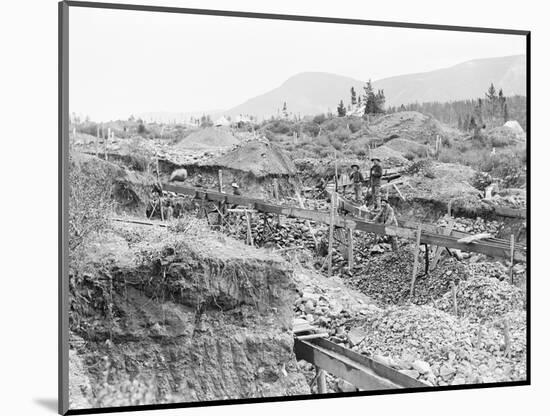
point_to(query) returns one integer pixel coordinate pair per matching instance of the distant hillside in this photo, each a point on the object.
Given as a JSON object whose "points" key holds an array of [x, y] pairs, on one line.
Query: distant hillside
{"points": [[315, 92]]}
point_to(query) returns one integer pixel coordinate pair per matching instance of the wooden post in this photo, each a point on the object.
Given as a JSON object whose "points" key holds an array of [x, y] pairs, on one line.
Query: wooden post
{"points": [[276, 194], [415, 264], [350, 248], [335, 173], [321, 381], [453, 293], [331, 232], [105, 144], [512, 248], [249, 239], [276, 189], [161, 209], [220, 204], [308, 223], [97, 142], [506, 328]]}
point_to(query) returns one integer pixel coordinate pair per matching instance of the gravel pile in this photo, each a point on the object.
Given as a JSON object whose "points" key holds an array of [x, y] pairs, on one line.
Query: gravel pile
{"points": [[386, 278], [483, 299], [469, 225], [437, 348]]}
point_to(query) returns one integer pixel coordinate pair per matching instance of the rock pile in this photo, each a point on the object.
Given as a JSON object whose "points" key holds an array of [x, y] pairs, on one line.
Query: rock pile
{"points": [[386, 278], [483, 299], [437, 348]]}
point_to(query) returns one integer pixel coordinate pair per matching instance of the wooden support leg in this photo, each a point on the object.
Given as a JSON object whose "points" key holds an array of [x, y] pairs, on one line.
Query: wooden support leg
{"points": [[455, 304], [512, 247], [321, 381], [331, 233], [350, 248], [426, 259], [415, 264]]}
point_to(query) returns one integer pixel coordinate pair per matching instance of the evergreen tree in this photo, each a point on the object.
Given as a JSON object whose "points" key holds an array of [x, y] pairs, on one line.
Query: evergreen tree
{"points": [[353, 96], [459, 123], [380, 101], [341, 109], [493, 102], [285, 111], [369, 99]]}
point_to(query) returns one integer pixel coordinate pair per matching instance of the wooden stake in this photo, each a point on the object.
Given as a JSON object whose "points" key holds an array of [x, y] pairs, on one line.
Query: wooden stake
{"points": [[350, 248], [276, 194], [249, 229], [331, 232], [97, 143], [220, 204], [506, 329], [105, 144], [398, 192], [335, 172], [321, 381], [453, 293], [512, 248], [415, 264]]}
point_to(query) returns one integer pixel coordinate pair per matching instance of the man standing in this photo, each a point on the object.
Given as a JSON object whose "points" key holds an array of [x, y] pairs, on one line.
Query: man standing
{"points": [[357, 180], [375, 178], [387, 216]]}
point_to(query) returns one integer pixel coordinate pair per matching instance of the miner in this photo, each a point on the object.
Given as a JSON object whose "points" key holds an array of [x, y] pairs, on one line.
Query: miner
{"points": [[386, 216], [357, 180], [375, 178]]}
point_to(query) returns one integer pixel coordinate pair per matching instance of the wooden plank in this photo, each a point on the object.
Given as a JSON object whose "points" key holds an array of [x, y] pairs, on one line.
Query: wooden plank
{"points": [[511, 212], [476, 237], [398, 192]]}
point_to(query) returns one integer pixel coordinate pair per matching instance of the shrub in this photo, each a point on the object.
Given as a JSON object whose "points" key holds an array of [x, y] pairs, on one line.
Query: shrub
{"points": [[89, 201]]}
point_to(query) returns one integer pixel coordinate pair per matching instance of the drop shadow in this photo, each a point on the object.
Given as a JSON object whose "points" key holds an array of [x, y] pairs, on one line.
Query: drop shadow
{"points": [[49, 404]]}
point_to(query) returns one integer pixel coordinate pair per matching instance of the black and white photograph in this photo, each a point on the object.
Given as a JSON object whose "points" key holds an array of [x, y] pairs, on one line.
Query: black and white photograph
{"points": [[274, 207]]}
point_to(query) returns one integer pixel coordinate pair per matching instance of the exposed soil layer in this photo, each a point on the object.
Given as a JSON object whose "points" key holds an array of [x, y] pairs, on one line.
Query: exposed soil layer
{"points": [[177, 317]]}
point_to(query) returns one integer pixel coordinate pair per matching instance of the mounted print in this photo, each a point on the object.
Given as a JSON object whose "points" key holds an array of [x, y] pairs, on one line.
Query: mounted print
{"points": [[271, 207]]}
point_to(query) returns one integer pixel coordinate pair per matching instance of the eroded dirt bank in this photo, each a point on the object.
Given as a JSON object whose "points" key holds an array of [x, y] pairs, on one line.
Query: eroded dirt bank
{"points": [[179, 315]]}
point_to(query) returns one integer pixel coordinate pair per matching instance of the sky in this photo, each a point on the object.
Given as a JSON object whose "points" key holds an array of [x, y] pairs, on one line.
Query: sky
{"points": [[129, 62]]}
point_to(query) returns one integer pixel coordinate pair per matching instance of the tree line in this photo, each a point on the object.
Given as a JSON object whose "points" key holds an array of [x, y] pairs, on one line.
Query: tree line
{"points": [[494, 109]]}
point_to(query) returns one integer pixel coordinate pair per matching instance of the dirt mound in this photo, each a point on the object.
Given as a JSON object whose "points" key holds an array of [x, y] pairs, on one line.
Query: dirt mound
{"points": [[504, 136], [208, 138], [260, 158], [409, 125], [129, 189], [405, 146], [443, 183], [388, 156], [189, 316]]}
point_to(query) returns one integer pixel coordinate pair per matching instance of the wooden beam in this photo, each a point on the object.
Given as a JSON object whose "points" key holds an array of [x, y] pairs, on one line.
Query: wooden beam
{"points": [[350, 248], [430, 233], [357, 369]]}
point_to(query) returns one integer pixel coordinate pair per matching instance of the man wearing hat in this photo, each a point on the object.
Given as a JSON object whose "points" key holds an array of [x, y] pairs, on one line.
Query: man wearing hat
{"points": [[375, 178], [235, 187], [356, 177], [387, 216]]}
